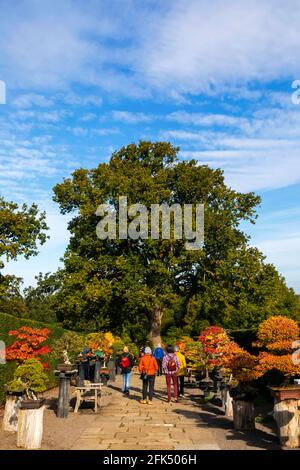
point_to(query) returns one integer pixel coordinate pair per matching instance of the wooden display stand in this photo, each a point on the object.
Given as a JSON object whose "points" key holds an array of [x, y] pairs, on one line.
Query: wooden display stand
{"points": [[11, 411], [243, 415], [30, 424], [287, 415]]}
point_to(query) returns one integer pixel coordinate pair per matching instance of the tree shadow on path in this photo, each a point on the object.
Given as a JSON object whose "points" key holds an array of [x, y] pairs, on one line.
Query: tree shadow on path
{"points": [[215, 419]]}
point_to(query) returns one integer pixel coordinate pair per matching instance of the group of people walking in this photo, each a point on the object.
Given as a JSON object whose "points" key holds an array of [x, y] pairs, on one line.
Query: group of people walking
{"points": [[170, 362]]}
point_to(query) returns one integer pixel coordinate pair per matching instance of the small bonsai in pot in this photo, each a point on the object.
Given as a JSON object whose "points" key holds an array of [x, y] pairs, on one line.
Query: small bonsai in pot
{"points": [[278, 336], [29, 343], [30, 380], [213, 341], [66, 349], [244, 369]]}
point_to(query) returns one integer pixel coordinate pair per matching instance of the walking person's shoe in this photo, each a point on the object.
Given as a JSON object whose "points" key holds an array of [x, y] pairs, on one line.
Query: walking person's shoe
{"points": [[143, 402], [149, 402]]}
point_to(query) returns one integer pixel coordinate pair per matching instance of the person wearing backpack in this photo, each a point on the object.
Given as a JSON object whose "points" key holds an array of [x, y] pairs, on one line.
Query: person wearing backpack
{"points": [[159, 355], [170, 367], [181, 373], [148, 368], [126, 362]]}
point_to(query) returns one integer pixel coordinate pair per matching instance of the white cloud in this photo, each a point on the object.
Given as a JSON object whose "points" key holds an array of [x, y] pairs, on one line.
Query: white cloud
{"points": [[88, 117], [131, 117], [205, 46], [31, 99], [106, 131], [206, 120], [80, 100]]}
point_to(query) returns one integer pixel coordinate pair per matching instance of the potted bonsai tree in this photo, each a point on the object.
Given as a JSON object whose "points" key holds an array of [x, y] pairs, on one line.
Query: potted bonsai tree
{"points": [[213, 340], [244, 369], [29, 343], [31, 380], [277, 336], [66, 349]]}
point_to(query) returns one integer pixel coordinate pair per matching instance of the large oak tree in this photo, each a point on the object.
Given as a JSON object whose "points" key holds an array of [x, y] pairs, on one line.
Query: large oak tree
{"points": [[143, 285]]}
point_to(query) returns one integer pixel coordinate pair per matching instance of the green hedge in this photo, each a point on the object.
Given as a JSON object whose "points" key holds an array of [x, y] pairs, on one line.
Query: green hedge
{"points": [[7, 323]]}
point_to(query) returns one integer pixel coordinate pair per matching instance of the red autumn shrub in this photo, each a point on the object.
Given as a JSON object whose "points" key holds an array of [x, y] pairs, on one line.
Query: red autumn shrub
{"points": [[213, 340], [28, 344]]}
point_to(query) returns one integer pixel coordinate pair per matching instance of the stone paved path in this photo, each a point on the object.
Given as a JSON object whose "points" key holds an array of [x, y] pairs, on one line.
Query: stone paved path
{"points": [[126, 424]]}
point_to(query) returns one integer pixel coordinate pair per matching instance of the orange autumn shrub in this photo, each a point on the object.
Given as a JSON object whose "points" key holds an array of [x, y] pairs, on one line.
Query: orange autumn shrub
{"points": [[101, 341], [277, 336], [230, 350], [283, 364], [243, 365]]}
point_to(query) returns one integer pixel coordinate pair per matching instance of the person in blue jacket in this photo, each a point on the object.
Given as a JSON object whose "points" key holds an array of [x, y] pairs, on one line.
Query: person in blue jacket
{"points": [[159, 355]]}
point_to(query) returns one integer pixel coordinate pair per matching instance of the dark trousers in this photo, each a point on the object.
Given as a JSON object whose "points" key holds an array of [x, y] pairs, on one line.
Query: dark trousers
{"points": [[169, 379], [148, 387], [181, 384], [159, 363]]}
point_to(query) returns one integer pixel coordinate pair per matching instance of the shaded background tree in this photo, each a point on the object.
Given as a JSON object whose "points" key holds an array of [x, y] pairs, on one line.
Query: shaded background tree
{"points": [[21, 230]]}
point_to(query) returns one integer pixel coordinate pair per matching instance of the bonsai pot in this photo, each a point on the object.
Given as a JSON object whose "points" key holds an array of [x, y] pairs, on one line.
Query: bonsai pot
{"points": [[291, 392], [12, 394], [207, 386], [65, 367], [32, 404]]}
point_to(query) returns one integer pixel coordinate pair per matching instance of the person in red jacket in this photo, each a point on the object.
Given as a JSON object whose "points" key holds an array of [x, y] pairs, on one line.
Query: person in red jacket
{"points": [[148, 369], [126, 363]]}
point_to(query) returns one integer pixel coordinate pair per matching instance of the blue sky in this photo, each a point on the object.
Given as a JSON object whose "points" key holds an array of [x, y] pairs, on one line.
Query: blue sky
{"points": [[215, 78]]}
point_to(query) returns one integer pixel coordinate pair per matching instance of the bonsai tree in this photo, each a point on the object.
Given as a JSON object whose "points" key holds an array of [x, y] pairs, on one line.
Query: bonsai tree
{"points": [[29, 378], [71, 343], [243, 369], [276, 336], [29, 344], [213, 340], [101, 341], [192, 350]]}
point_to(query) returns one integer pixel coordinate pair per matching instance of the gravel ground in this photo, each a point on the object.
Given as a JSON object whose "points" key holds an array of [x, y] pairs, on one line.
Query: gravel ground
{"points": [[61, 434]]}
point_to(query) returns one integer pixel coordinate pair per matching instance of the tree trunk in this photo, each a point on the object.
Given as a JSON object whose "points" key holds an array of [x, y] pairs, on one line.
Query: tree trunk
{"points": [[30, 428], [287, 417], [243, 415], [155, 326], [227, 402], [10, 419]]}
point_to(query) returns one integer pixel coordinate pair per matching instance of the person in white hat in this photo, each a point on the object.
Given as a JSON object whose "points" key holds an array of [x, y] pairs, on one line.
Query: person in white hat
{"points": [[148, 369]]}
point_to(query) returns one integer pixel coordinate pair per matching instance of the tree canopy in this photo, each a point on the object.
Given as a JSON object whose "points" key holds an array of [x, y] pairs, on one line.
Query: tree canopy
{"points": [[145, 286], [21, 230]]}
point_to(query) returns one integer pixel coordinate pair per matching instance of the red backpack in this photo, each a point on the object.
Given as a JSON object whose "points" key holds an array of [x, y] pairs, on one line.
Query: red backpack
{"points": [[125, 362], [171, 364]]}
